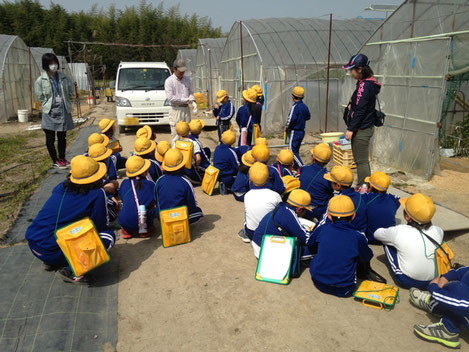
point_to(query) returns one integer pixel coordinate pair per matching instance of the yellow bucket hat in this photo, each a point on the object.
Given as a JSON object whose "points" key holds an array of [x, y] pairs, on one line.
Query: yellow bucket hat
{"points": [[105, 124], [84, 170], [285, 157], [145, 131], [342, 175], [196, 126], [419, 207], [173, 160], [298, 92], [144, 146], [228, 137], [290, 183], [182, 128], [341, 206], [248, 159], [299, 199], [257, 89], [99, 152], [321, 152], [378, 180], [221, 94], [250, 95], [96, 138], [261, 153], [260, 140], [161, 149], [136, 165], [258, 174]]}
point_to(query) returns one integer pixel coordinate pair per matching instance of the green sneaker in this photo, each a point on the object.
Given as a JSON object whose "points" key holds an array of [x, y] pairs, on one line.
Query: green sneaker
{"points": [[420, 299], [438, 333]]}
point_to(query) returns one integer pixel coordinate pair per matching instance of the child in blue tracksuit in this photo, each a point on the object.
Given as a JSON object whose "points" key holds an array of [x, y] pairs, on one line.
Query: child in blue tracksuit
{"points": [[241, 184], [246, 115], [262, 154], [285, 216], [81, 195], [101, 153], [381, 207], [447, 296], [224, 110], [173, 189], [107, 127], [226, 160], [284, 163], [137, 186], [145, 148], [341, 178], [202, 154], [312, 181], [340, 248], [296, 123]]}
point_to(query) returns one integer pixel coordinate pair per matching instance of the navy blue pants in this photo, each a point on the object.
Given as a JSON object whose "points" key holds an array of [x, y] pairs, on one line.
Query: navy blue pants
{"points": [[57, 257], [294, 144], [222, 126], [335, 290], [449, 306], [399, 277]]}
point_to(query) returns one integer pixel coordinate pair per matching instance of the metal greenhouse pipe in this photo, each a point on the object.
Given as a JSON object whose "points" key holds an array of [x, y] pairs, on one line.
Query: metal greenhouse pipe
{"points": [[242, 61], [328, 69]]}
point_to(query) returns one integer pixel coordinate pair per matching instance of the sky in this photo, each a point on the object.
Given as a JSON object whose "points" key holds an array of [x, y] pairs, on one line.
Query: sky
{"points": [[224, 12]]}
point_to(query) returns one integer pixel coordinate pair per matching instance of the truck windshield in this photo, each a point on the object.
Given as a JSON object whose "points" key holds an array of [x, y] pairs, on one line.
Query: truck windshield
{"points": [[142, 78]]}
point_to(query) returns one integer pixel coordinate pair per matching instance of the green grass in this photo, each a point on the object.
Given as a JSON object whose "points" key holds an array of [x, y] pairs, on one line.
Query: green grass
{"points": [[10, 147]]}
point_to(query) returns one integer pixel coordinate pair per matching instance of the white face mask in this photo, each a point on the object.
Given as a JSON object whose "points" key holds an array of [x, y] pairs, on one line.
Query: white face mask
{"points": [[53, 68]]}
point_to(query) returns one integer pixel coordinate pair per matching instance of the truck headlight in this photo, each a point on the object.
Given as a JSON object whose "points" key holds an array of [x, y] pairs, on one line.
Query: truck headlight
{"points": [[121, 101], [166, 103]]}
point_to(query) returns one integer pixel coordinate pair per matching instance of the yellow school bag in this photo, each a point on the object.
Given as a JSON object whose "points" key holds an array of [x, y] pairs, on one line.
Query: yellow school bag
{"points": [[175, 226], [377, 295], [443, 256], [185, 147], [81, 245], [114, 146], [256, 132], [210, 179]]}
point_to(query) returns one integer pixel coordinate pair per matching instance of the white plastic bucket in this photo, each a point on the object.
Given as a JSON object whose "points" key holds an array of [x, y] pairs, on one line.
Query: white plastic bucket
{"points": [[23, 115], [330, 137]]}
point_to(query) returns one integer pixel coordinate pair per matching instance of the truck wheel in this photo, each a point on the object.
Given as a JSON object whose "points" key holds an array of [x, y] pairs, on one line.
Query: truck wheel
{"points": [[121, 129]]}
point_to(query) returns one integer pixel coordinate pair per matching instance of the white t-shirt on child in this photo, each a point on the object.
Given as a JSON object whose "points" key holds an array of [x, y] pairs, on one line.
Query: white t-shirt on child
{"points": [[415, 252]]}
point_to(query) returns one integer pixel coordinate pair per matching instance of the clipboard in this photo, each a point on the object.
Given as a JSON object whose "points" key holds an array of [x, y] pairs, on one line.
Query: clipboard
{"points": [[275, 259]]}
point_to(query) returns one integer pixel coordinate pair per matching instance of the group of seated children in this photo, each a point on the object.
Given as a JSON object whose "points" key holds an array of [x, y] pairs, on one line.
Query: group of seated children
{"points": [[348, 221], [275, 198], [155, 181]]}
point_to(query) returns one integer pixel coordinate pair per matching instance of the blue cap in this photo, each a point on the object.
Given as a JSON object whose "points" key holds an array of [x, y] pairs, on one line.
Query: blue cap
{"points": [[358, 60]]}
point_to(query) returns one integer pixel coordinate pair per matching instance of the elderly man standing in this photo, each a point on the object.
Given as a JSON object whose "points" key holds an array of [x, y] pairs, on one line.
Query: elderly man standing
{"points": [[179, 94]]}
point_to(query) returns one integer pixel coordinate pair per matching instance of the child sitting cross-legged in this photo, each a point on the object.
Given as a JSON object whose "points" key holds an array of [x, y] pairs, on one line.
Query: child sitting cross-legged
{"points": [[138, 195], [340, 248], [410, 247], [241, 184], [284, 163]]}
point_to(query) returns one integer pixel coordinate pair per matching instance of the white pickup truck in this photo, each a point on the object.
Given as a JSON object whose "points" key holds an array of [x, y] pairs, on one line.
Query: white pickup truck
{"points": [[140, 95]]}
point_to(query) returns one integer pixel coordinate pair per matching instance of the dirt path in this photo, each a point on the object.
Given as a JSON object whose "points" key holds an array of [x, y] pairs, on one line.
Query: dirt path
{"points": [[203, 296]]}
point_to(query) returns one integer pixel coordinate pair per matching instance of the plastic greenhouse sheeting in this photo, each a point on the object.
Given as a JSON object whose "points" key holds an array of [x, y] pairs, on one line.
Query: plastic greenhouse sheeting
{"points": [[190, 57], [18, 71], [206, 78], [410, 55], [280, 53], [82, 74]]}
